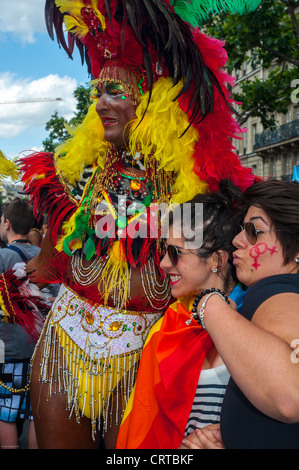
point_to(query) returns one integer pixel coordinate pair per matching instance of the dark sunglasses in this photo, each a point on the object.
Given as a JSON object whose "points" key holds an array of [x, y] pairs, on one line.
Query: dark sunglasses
{"points": [[252, 232], [174, 252]]}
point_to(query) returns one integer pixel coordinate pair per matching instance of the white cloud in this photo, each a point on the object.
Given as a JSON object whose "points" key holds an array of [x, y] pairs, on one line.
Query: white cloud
{"points": [[22, 18], [17, 116]]}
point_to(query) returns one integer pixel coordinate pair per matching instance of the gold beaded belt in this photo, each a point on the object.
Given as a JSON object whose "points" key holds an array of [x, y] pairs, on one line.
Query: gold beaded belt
{"points": [[97, 349]]}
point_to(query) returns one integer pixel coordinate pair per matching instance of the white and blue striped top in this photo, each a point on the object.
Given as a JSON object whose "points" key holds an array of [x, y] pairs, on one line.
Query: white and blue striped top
{"points": [[208, 398]]}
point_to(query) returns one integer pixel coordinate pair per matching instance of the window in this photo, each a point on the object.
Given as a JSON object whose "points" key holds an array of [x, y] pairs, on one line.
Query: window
{"points": [[244, 143], [254, 127], [273, 161], [287, 162]]}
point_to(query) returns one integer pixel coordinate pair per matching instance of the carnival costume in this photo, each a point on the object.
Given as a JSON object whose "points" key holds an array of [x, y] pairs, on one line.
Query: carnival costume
{"points": [[181, 138]]}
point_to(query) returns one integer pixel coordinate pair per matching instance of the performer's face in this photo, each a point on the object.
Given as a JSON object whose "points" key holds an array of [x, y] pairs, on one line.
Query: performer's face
{"points": [[116, 109]]}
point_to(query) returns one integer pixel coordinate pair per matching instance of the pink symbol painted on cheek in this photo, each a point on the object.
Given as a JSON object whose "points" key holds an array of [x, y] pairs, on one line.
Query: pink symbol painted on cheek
{"points": [[258, 250]]}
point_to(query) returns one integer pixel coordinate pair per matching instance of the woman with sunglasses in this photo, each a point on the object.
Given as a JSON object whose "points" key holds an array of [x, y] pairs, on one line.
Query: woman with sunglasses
{"points": [[180, 367], [260, 347]]}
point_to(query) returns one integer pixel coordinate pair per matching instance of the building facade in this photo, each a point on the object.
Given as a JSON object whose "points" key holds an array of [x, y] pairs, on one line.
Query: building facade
{"points": [[270, 154], [10, 191]]}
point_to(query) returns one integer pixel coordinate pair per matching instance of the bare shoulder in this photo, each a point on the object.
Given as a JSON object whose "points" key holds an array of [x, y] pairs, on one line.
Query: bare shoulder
{"points": [[279, 315]]}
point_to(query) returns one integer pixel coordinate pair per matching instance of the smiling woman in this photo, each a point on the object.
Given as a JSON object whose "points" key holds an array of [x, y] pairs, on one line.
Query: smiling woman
{"points": [[261, 403], [181, 378]]}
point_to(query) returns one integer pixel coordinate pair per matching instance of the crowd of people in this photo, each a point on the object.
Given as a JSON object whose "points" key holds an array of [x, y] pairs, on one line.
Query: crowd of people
{"points": [[206, 378], [172, 328], [17, 223]]}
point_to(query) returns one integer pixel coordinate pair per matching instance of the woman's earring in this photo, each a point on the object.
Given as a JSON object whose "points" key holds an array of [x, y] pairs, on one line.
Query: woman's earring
{"points": [[297, 260], [214, 270]]}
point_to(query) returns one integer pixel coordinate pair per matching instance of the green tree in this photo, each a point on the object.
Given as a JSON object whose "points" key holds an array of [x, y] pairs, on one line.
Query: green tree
{"points": [[268, 36], [82, 95], [57, 132], [57, 124]]}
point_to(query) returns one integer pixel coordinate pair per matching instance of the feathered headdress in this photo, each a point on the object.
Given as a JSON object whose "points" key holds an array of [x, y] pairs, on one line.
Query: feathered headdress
{"points": [[157, 36], [161, 39], [183, 124]]}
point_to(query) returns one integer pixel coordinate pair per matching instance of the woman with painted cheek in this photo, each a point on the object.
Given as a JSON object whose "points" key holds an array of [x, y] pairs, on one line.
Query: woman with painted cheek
{"points": [[260, 347], [188, 372], [258, 251]]}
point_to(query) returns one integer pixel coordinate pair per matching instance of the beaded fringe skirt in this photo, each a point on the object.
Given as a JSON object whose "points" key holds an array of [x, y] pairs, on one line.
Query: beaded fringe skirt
{"points": [[91, 353]]}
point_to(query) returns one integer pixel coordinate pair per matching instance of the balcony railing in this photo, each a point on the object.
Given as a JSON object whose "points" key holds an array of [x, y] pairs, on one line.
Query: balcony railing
{"points": [[284, 132]]}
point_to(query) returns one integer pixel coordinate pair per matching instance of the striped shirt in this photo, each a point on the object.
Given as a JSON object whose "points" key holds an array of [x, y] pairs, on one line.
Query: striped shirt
{"points": [[208, 398]]}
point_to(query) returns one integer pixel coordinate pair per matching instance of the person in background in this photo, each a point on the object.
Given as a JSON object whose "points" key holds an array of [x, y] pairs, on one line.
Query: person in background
{"points": [[260, 346], [182, 379], [35, 236], [2, 243], [44, 225], [16, 222]]}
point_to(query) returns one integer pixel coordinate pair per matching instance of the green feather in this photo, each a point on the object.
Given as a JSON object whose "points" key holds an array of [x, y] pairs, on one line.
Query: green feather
{"points": [[147, 200], [195, 12], [89, 246], [79, 233]]}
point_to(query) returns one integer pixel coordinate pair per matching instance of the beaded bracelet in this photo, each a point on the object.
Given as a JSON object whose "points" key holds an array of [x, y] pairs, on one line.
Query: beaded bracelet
{"points": [[200, 317]]}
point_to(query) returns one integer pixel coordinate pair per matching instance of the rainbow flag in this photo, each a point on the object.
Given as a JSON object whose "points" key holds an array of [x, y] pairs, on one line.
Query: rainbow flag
{"points": [[171, 361]]}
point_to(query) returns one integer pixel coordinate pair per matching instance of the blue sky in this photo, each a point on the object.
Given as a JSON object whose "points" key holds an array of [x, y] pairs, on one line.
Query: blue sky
{"points": [[32, 67]]}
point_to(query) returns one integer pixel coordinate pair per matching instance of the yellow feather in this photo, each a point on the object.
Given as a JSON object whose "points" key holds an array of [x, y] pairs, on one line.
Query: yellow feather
{"points": [[73, 7], [73, 25], [8, 168], [159, 134], [67, 228], [75, 20], [86, 146], [116, 272]]}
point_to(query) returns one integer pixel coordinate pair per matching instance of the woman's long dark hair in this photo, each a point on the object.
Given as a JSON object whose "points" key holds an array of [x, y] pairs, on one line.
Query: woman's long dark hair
{"points": [[222, 216]]}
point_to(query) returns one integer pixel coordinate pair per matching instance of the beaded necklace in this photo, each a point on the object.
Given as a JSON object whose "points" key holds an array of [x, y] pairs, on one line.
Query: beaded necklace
{"points": [[123, 195], [154, 185]]}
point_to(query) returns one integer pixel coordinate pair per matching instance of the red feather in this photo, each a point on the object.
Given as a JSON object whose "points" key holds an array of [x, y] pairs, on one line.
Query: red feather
{"points": [[46, 192], [23, 308]]}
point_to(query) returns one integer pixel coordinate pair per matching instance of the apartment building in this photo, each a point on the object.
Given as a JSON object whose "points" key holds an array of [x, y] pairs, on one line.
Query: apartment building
{"points": [[10, 191], [269, 153]]}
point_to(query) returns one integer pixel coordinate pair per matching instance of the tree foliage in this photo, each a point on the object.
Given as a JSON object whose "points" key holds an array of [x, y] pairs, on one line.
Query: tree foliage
{"points": [[56, 125], [268, 36]]}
